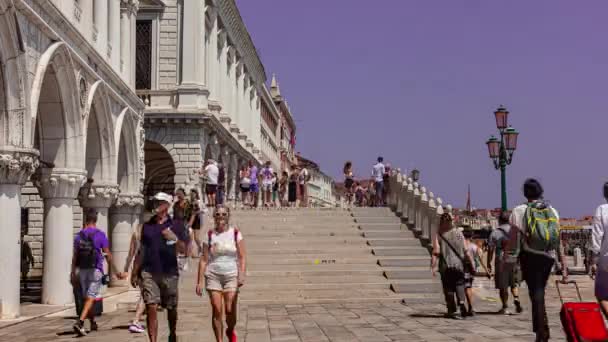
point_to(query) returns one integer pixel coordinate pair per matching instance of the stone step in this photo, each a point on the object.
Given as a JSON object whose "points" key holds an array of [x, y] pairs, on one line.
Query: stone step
{"points": [[308, 250], [274, 274], [377, 277], [282, 228], [322, 259], [331, 267], [382, 226], [343, 286], [304, 234], [403, 251], [424, 287], [404, 262], [370, 212], [324, 241], [397, 242], [294, 295], [413, 273], [385, 234], [380, 219]]}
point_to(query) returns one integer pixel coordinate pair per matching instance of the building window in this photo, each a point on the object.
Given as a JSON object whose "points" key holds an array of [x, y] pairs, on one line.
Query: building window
{"points": [[143, 54]]}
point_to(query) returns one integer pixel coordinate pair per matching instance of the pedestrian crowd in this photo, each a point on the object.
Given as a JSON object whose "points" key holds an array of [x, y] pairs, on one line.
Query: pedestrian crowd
{"points": [[367, 193], [259, 187], [526, 246], [159, 253]]}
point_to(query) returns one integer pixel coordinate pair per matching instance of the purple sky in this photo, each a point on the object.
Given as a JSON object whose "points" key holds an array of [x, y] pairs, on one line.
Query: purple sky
{"points": [[418, 81]]}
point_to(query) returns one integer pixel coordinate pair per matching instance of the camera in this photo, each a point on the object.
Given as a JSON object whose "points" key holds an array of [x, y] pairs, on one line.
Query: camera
{"points": [[105, 279]]}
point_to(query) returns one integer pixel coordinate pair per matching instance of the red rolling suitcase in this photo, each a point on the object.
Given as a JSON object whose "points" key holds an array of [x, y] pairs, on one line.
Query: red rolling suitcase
{"points": [[582, 321]]}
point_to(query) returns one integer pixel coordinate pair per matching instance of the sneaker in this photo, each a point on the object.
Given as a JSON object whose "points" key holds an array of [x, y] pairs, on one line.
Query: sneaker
{"points": [[136, 328], [79, 329], [504, 311], [452, 315], [94, 326], [231, 335], [172, 338], [518, 307]]}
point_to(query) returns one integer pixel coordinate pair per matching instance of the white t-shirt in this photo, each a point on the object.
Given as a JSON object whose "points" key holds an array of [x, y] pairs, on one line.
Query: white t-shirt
{"points": [[268, 175], [223, 256], [212, 174], [378, 172], [517, 217]]}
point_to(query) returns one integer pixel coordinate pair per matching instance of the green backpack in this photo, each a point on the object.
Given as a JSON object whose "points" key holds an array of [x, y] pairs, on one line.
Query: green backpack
{"points": [[542, 224]]}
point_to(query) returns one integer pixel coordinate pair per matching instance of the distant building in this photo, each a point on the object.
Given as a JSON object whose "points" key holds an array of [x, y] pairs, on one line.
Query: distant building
{"points": [[321, 189]]}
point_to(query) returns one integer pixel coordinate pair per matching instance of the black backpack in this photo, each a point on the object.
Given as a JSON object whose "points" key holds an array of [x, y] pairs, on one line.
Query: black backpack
{"points": [[87, 253]]}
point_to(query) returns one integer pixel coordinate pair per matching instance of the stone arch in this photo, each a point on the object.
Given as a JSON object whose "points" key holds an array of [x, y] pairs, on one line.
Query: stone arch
{"points": [[127, 155], [160, 169], [55, 113], [100, 145], [14, 122]]}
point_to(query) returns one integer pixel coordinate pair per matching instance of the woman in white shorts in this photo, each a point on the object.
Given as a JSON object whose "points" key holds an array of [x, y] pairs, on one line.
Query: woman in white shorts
{"points": [[222, 272]]}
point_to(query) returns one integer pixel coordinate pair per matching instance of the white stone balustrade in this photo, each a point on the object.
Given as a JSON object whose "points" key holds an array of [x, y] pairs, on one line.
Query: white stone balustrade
{"points": [[422, 213]]}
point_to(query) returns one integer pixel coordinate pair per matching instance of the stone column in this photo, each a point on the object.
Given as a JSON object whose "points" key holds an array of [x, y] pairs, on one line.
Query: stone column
{"points": [[58, 187], [402, 194], [212, 65], [416, 207], [16, 166], [431, 214], [124, 43], [422, 213], [124, 218], [99, 197], [438, 214], [101, 24], [411, 213], [193, 48], [114, 32]]}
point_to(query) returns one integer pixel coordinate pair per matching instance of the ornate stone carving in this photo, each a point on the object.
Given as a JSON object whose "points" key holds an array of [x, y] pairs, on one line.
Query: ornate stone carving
{"points": [[129, 200], [17, 165], [98, 195], [60, 183], [141, 157], [84, 90]]}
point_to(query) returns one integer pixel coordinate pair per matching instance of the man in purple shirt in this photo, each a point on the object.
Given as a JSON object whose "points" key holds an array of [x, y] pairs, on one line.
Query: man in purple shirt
{"points": [[89, 244], [155, 267], [254, 188]]}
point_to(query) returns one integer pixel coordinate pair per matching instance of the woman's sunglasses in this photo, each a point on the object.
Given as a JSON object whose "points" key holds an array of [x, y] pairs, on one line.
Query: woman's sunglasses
{"points": [[220, 214]]}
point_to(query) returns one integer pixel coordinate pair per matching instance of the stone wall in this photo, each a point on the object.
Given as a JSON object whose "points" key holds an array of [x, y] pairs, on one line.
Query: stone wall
{"points": [[168, 46], [35, 235]]}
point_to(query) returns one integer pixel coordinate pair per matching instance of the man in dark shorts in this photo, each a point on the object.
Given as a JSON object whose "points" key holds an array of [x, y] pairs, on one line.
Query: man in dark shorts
{"points": [[156, 265], [212, 172], [508, 274]]}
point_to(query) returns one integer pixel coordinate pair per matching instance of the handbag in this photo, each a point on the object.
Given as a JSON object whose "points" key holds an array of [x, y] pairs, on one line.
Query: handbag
{"points": [[466, 262]]}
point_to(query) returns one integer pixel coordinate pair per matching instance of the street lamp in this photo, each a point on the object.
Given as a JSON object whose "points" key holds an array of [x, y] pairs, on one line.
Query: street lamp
{"points": [[501, 150], [415, 175]]}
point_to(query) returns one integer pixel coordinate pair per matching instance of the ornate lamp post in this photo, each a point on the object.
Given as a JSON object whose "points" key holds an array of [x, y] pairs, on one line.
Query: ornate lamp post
{"points": [[415, 174], [501, 151]]}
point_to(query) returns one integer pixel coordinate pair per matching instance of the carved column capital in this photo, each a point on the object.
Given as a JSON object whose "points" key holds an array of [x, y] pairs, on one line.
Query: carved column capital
{"points": [[98, 195], [17, 165], [131, 203], [60, 182]]}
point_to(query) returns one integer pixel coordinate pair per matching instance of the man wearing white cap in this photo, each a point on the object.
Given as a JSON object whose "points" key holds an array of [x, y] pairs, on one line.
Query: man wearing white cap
{"points": [[156, 265]]}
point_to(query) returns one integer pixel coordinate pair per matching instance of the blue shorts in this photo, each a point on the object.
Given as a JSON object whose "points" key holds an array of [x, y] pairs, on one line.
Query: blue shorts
{"points": [[90, 282], [254, 188]]}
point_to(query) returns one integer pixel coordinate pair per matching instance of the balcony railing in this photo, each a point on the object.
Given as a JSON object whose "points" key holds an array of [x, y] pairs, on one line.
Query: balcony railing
{"points": [[159, 98]]}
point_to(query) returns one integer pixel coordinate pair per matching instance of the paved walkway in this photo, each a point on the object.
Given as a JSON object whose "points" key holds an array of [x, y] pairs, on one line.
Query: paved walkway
{"points": [[348, 322]]}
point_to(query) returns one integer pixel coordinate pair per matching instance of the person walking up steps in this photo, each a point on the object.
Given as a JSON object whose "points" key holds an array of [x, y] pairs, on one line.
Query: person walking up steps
{"points": [[449, 250], [212, 172], [156, 266], [245, 183], [348, 182], [506, 265], [135, 326], [267, 175], [599, 250], [538, 225], [293, 187], [89, 244], [378, 176], [474, 259], [222, 272], [254, 188]]}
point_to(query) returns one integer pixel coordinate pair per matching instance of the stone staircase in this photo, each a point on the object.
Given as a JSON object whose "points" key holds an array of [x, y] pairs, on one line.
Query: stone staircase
{"points": [[309, 256], [401, 255]]}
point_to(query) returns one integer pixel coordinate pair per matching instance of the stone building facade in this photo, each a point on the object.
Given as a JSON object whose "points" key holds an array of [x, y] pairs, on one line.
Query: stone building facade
{"points": [[70, 134], [203, 85]]}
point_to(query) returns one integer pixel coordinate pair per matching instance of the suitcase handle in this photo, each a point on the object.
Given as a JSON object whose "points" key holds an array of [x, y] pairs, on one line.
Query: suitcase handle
{"points": [[578, 291]]}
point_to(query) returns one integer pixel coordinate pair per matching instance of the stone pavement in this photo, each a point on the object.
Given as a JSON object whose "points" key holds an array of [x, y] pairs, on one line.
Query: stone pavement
{"points": [[340, 321]]}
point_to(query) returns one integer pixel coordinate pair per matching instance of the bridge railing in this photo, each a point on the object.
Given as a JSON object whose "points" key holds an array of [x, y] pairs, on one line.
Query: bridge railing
{"points": [[418, 207]]}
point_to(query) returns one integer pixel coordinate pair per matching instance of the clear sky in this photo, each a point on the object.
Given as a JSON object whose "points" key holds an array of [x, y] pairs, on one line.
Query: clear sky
{"points": [[417, 81]]}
